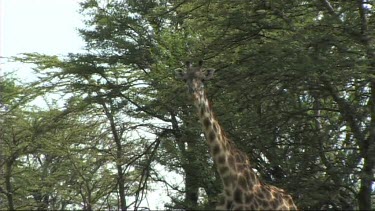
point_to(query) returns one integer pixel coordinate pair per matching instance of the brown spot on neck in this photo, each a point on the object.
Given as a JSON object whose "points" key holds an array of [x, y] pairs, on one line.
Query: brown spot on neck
{"points": [[206, 123]]}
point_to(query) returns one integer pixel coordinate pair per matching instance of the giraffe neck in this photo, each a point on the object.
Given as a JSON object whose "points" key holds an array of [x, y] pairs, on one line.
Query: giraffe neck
{"points": [[211, 128], [230, 161], [242, 188]]}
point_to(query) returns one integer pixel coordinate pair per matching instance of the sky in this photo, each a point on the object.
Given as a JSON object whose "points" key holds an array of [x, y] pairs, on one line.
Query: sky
{"points": [[46, 27], [43, 26]]}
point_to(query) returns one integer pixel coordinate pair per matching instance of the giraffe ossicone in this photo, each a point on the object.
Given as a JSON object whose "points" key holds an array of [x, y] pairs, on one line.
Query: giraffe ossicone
{"points": [[243, 190]]}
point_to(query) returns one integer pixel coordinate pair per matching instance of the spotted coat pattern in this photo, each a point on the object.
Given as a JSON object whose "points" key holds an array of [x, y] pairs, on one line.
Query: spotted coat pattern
{"points": [[243, 190]]}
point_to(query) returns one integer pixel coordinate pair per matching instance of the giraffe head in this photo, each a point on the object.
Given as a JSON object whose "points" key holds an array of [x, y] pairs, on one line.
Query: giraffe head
{"points": [[194, 76]]}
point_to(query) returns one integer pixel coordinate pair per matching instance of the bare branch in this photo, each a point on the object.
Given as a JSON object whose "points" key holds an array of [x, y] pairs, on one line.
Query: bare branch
{"points": [[329, 8]]}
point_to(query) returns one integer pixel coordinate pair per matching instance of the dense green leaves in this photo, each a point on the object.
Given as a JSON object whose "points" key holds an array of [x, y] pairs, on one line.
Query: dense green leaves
{"points": [[294, 89]]}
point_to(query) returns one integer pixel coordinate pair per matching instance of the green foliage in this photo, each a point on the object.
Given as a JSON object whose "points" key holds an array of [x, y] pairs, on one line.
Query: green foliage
{"points": [[294, 89]]}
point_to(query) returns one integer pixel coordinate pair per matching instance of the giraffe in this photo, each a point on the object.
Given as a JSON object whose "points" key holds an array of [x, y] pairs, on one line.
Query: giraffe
{"points": [[243, 190]]}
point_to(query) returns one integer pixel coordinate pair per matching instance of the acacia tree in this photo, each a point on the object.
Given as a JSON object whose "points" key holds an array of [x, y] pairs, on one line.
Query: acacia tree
{"points": [[301, 73], [294, 89], [105, 96], [144, 39]]}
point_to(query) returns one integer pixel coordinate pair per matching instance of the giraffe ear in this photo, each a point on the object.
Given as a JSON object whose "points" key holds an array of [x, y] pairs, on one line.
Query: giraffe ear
{"points": [[179, 74], [209, 73]]}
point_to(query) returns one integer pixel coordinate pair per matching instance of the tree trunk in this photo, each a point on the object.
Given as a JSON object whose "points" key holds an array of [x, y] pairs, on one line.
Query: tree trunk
{"points": [[8, 184], [121, 187], [192, 175], [368, 153], [364, 194], [191, 189], [119, 155], [213, 190]]}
